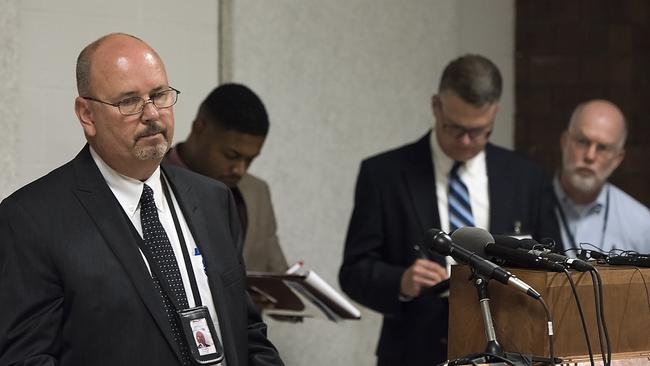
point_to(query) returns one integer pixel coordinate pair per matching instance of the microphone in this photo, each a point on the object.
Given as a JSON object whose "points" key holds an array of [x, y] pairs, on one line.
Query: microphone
{"points": [[506, 253], [532, 247], [574, 263], [514, 243], [442, 243], [522, 258]]}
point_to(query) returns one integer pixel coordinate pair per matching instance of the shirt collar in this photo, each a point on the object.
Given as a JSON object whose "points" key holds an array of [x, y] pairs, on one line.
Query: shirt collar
{"points": [[577, 209], [127, 190], [474, 167]]}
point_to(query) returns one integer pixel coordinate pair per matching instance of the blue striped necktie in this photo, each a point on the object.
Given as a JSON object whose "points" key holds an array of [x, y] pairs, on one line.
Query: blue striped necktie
{"points": [[460, 209]]}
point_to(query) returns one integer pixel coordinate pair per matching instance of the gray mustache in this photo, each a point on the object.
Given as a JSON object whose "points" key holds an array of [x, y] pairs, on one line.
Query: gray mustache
{"points": [[152, 130]]}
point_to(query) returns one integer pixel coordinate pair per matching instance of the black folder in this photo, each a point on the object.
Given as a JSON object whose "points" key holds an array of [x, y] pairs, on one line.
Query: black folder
{"points": [[300, 295]]}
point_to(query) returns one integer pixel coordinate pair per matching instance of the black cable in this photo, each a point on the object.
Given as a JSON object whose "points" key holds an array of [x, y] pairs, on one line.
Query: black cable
{"points": [[582, 245], [600, 316], [549, 330], [602, 311], [465, 361], [598, 323], [471, 359], [645, 284], [582, 315], [502, 359]]}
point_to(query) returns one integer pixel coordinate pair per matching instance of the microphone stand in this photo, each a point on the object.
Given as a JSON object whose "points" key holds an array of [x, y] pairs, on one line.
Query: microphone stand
{"points": [[493, 352]]}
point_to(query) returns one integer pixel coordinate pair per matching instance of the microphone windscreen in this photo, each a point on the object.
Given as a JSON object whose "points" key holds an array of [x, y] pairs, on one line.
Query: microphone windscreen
{"points": [[514, 243], [473, 239]]}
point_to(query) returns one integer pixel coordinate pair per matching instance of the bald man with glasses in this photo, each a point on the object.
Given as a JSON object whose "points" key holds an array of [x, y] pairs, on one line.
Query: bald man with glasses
{"points": [[449, 178], [594, 214], [115, 259]]}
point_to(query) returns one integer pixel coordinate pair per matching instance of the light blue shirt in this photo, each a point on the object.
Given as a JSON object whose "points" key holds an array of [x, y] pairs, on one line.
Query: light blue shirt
{"points": [[615, 222]]}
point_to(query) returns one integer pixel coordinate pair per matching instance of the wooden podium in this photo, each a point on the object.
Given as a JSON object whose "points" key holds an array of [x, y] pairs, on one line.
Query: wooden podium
{"points": [[520, 321]]}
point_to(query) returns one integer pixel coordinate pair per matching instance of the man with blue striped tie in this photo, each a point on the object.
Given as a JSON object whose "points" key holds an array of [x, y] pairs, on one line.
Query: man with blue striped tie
{"points": [[449, 178], [460, 210]]}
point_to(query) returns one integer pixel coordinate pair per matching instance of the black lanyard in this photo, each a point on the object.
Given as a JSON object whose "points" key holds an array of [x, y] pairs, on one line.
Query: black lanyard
{"points": [[565, 225], [186, 255], [153, 265]]}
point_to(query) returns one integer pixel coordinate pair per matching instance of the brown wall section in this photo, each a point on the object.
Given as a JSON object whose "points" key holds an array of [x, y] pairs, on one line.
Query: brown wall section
{"points": [[571, 51]]}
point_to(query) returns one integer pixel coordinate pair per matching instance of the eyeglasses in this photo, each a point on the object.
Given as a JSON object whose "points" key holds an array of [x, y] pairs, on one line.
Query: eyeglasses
{"points": [[135, 105], [457, 131], [583, 143]]}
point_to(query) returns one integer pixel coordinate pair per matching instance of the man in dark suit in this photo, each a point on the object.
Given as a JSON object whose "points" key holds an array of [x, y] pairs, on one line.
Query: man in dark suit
{"points": [[402, 193], [84, 280]]}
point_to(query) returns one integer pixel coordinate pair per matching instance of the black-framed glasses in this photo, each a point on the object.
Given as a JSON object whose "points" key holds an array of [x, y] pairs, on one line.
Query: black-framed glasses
{"points": [[457, 131], [135, 105]]}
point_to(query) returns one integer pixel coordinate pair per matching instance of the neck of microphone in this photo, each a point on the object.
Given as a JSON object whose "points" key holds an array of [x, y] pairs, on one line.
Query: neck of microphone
{"points": [[536, 249], [573, 263], [522, 258], [442, 243], [472, 240]]}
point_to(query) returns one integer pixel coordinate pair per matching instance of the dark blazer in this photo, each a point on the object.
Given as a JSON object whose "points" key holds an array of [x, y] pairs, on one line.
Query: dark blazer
{"points": [[395, 203], [75, 290]]}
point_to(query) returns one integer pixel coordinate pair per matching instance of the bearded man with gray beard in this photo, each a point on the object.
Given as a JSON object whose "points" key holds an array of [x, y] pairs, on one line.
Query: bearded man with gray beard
{"points": [[592, 213]]}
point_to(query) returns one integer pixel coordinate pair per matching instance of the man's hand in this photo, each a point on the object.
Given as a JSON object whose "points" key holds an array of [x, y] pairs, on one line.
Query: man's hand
{"points": [[423, 273]]}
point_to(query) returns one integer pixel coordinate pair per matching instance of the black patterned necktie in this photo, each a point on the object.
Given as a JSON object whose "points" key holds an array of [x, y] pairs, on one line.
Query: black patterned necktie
{"points": [[157, 243], [460, 209]]}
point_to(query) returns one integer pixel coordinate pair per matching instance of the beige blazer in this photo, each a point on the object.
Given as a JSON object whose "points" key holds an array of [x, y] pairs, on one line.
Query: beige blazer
{"points": [[262, 250]]}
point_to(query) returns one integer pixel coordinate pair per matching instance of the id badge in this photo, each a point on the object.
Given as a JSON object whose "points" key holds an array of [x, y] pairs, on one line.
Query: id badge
{"points": [[201, 335]]}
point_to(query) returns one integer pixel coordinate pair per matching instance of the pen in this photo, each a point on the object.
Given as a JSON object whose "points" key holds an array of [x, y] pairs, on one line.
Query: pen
{"points": [[295, 267], [420, 251]]}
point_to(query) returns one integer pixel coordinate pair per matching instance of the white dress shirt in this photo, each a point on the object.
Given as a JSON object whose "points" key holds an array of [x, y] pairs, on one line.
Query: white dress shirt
{"points": [[128, 191], [474, 175]]}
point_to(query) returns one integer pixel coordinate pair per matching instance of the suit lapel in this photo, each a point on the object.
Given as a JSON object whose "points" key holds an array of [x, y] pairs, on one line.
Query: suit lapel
{"points": [[421, 183], [105, 211], [496, 192], [189, 201]]}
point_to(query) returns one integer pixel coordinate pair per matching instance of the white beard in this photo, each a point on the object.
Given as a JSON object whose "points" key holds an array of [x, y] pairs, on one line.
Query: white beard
{"points": [[586, 184]]}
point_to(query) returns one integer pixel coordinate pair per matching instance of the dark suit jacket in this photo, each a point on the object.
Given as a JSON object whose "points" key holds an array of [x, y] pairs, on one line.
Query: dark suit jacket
{"points": [[75, 290], [395, 203]]}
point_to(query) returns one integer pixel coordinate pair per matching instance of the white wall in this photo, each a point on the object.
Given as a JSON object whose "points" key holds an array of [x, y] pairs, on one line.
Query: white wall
{"points": [[49, 36], [9, 92], [488, 28], [343, 80]]}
